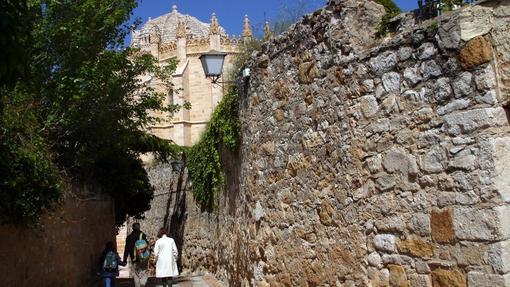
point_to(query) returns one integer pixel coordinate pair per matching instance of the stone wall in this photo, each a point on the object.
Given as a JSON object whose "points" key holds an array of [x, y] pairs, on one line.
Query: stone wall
{"points": [[172, 196], [163, 179], [63, 251], [368, 162], [170, 186], [492, 17]]}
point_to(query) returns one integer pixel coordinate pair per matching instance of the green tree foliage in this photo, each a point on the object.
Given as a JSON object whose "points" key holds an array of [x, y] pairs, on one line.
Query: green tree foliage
{"points": [[29, 178], [15, 27], [79, 108], [204, 163], [448, 4], [391, 10]]}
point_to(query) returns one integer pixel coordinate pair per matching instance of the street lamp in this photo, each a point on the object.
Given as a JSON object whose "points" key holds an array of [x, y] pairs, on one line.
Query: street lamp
{"points": [[212, 63]]}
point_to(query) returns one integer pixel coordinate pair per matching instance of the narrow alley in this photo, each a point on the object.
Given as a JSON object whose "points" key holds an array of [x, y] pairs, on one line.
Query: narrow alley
{"points": [[186, 281]]}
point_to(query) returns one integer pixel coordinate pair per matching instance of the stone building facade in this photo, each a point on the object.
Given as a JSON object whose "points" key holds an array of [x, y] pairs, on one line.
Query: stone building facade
{"points": [[368, 162], [185, 38]]}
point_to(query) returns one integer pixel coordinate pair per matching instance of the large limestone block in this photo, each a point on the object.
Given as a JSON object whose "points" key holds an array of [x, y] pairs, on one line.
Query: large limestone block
{"points": [[499, 256], [479, 279], [463, 160], [475, 21], [391, 224], [482, 224], [501, 156], [397, 259], [503, 217], [452, 106], [476, 119], [420, 224], [501, 40]]}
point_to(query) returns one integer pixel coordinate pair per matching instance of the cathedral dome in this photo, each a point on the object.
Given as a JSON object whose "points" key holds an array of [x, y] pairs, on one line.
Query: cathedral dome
{"points": [[165, 27]]}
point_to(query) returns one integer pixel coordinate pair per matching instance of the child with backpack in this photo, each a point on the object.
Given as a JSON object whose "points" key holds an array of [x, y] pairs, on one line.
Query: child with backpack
{"points": [[137, 249], [109, 264]]}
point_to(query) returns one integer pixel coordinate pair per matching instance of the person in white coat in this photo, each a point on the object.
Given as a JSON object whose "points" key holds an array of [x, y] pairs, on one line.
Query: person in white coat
{"points": [[166, 258]]}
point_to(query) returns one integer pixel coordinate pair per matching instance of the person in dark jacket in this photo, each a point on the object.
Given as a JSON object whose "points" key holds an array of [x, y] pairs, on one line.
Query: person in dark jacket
{"points": [[137, 269], [109, 264]]}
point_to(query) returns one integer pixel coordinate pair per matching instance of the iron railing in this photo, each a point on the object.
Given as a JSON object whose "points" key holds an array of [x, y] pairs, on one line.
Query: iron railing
{"points": [[428, 9]]}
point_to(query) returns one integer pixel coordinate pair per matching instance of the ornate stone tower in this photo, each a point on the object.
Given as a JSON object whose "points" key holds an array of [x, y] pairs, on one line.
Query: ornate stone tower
{"points": [[185, 38]]}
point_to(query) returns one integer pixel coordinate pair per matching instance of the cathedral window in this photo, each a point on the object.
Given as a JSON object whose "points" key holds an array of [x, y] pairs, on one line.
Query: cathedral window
{"points": [[170, 96]]}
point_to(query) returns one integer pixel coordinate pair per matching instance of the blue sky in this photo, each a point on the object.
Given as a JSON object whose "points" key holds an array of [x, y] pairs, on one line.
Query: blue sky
{"points": [[231, 12]]}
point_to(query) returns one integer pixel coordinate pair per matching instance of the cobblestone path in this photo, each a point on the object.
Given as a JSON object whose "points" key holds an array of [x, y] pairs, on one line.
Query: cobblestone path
{"points": [[185, 281]]}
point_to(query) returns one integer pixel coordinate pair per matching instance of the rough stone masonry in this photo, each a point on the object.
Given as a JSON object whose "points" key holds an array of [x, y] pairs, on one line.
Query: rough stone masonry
{"points": [[369, 162]]}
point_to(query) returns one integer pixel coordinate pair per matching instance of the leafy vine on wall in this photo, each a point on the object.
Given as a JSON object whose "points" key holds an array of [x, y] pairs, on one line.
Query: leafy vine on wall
{"points": [[204, 163]]}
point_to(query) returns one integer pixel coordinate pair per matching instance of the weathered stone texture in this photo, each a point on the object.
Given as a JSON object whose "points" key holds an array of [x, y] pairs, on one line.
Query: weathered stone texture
{"points": [[491, 20], [474, 120], [448, 278], [398, 276], [477, 224], [480, 279], [476, 52], [442, 225], [499, 256], [384, 164], [501, 149], [475, 22], [416, 248], [164, 181], [418, 280]]}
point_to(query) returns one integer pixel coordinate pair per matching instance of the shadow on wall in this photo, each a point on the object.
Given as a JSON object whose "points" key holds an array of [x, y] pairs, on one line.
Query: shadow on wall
{"points": [[177, 223], [64, 250], [231, 162]]}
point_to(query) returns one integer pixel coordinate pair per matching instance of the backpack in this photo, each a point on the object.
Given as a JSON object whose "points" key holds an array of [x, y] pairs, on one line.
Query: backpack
{"points": [[110, 263], [142, 250]]}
